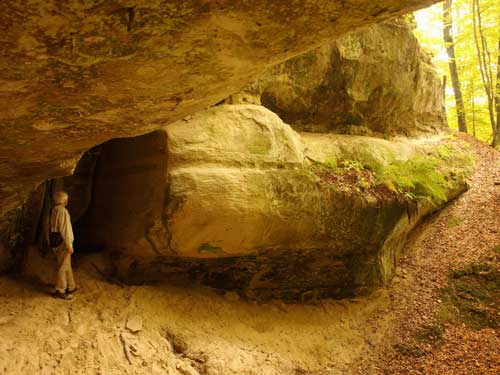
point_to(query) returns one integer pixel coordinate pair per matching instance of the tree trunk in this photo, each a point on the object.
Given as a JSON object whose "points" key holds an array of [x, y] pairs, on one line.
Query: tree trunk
{"points": [[473, 108], [484, 66], [444, 88], [450, 49], [496, 131], [444, 100]]}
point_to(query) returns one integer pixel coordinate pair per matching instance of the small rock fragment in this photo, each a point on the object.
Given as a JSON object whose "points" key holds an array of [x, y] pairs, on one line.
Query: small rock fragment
{"points": [[134, 324], [186, 369]]}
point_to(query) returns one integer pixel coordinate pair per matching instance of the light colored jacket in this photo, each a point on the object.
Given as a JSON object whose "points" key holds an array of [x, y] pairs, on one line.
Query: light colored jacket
{"points": [[60, 221]]}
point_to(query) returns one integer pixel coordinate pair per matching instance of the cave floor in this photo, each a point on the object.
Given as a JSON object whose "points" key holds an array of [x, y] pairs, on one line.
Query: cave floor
{"points": [[109, 328], [181, 330]]}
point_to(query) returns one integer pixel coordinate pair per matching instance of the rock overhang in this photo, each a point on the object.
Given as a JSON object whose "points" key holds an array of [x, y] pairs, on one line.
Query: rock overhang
{"points": [[74, 75]]}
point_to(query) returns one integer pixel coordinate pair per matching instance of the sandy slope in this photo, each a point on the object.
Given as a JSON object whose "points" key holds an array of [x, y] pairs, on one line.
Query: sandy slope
{"points": [[463, 233]]}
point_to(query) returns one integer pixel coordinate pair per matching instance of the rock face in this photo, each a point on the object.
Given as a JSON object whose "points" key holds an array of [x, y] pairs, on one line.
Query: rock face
{"points": [[377, 80], [236, 199], [74, 75], [231, 196]]}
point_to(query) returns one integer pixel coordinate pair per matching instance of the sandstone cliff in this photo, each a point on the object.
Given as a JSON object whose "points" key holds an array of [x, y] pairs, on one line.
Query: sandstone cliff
{"points": [[236, 199], [374, 81], [74, 75]]}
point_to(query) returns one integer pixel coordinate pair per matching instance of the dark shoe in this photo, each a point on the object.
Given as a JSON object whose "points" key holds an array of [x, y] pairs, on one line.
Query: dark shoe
{"points": [[71, 291], [63, 295]]}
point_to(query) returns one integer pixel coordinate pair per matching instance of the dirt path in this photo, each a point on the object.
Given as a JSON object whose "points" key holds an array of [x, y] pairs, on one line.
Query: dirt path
{"points": [[425, 339], [113, 329]]}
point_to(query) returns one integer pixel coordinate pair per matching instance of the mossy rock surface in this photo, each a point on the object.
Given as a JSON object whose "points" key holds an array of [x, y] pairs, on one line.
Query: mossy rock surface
{"points": [[256, 207], [313, 215]]}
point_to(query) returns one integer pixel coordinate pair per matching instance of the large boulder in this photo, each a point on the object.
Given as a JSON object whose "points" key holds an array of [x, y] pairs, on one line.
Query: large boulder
{"points": [[235, 198], [75, 74], [374, 81]]}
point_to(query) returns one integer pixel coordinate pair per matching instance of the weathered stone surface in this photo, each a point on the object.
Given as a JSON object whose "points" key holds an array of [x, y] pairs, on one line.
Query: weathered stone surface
{"points": [[26, 228], [231, 197], [79, 185], [134, 323], [75, 74], [30, 229], [375, 80]]}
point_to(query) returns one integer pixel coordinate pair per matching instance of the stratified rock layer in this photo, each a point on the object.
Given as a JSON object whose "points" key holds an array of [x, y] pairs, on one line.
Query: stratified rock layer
{"points": [[377, 80], [75, 74], [233, 197]]}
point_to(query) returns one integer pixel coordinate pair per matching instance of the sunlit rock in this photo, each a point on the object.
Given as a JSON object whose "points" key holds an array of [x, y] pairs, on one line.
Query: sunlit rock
{"points": [[377, 81]]}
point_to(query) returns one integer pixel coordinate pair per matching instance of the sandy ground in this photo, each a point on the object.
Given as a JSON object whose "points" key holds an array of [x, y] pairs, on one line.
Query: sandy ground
{"points": [[110, 328], [179, 331]]}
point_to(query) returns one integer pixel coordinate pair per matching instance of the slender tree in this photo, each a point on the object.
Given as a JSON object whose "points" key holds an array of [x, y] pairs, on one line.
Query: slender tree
{"points": [[452, 63], [496, 131], [473, 106], [444, 99], [484, 60]]}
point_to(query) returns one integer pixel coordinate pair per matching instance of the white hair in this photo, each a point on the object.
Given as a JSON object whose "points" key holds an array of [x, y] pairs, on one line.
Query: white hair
{"points": [[60, 197]]}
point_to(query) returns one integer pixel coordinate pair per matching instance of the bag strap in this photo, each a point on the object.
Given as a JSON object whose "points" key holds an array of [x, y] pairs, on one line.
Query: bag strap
{"points": [[50, 218]]}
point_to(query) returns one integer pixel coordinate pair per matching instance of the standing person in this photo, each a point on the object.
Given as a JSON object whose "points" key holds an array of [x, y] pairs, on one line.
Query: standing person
{"points": [[61, 238]]}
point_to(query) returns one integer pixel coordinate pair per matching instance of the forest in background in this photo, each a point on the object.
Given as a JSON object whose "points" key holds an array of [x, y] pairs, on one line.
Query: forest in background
{"points": [[474, 29]]}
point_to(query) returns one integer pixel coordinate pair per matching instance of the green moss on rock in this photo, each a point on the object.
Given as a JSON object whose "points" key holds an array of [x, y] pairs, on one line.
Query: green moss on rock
{"points": [[207, 248], [418, 178], [423, 177]]}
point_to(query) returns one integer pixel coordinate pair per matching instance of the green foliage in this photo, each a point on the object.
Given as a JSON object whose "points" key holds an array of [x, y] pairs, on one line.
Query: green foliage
{"points": [[423, 178], [345, 174], [428, 177], [331, 163], [429, 33], [445, 152], [353, 165], [344, 165], [417, 178], [410, 20]]}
